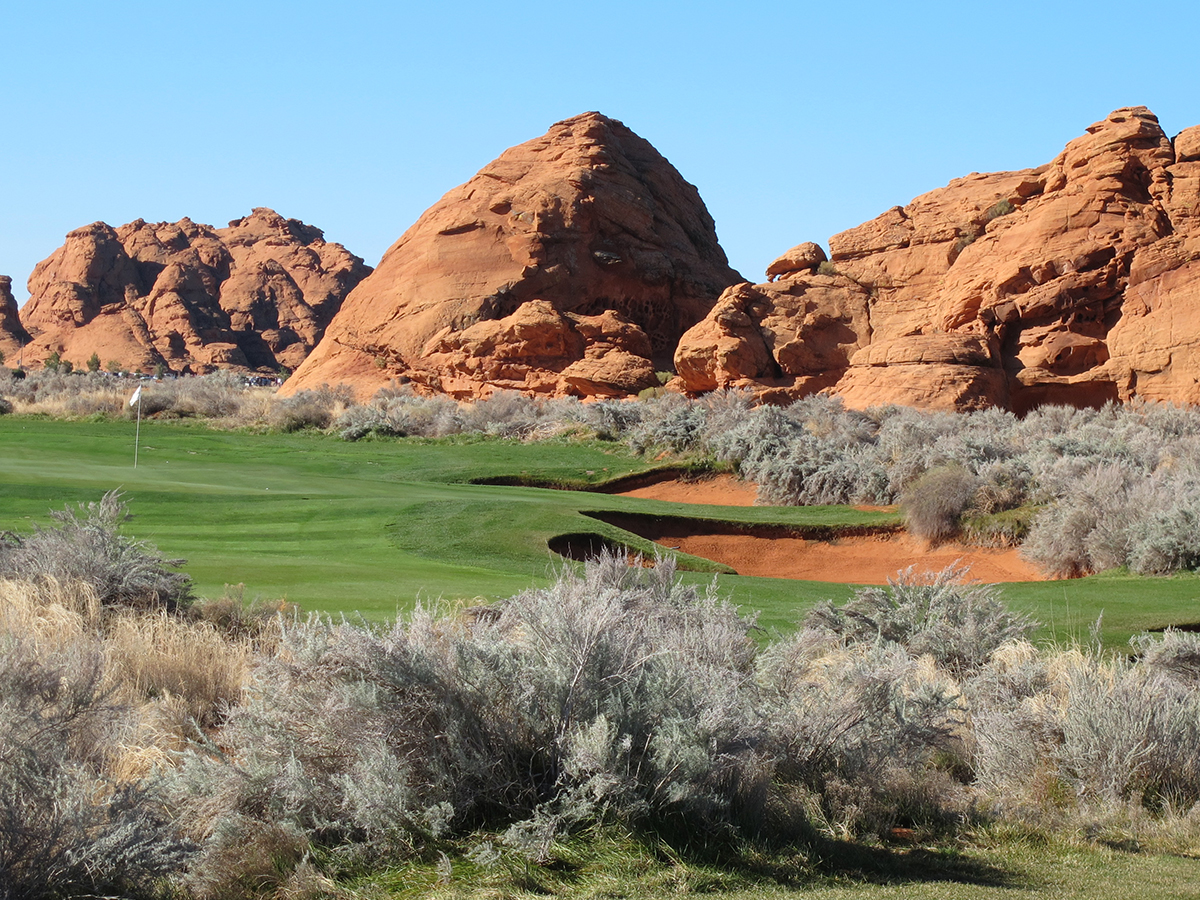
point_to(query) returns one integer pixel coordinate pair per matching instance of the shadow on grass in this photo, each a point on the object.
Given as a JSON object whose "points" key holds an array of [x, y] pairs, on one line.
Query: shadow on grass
{"points": [[817, 859]]}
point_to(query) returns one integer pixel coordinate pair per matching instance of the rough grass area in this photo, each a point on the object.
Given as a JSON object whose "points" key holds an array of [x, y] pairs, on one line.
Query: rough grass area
{"points": [[370, 526], [998, 864]]}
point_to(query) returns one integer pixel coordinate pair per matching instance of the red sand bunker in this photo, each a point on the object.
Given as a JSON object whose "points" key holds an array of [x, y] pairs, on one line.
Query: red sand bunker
{"points": [[871, 559]]}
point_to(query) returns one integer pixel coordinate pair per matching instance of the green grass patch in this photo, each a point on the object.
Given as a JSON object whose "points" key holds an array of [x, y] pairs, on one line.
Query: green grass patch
{"points": [[373, 526], [987, 866]]}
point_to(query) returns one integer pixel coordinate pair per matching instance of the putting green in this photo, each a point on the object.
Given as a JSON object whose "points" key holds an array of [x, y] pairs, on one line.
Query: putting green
{"points": [[371, 527]]}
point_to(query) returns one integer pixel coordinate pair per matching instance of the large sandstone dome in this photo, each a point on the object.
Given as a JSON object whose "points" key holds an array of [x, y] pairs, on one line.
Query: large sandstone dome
{"points": [[256, 295], [570, 265], [1077, 282]]}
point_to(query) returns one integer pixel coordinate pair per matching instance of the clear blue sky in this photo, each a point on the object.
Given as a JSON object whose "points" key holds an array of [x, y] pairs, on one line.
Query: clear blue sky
{"points": [[795, 120]]}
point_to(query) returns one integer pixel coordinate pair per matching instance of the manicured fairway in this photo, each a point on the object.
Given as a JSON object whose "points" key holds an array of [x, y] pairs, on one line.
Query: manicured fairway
{"points": [[370, 527]]}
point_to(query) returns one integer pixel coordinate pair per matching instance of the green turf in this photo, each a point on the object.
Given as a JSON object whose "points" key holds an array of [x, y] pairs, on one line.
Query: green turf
{"points": [[370, 527], [974, 869]]}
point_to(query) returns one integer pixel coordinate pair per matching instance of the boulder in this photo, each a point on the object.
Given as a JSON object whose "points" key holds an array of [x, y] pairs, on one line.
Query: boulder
{"points": [[1074, 282], [806, 257], [569, 265], [254, 296]]}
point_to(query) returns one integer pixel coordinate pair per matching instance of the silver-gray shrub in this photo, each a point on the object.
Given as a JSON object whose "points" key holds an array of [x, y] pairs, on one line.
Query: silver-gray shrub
{"points": [[87, 545], [67, 829], [401, 412], [615, 693], [859, 731], [1078, 731], [944, 615]]}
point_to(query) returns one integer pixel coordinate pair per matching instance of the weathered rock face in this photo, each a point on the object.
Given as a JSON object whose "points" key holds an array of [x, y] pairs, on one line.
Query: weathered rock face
{"points": [[13, 335], [255, 295], [1076, 282], [569, 265]]}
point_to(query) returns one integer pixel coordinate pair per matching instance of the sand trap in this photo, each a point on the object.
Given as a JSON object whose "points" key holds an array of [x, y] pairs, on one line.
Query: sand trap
{"points": [[720, 490], [858, 559], [872, 559]]}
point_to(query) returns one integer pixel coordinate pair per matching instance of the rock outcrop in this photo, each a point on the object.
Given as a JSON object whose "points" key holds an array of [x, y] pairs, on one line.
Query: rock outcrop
{"points": [[13, 335], [1077, 282], [570, 266], [257, 295]]}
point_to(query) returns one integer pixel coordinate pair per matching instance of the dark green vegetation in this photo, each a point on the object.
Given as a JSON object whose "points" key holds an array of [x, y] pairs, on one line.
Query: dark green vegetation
{"points": [[371, 526]]}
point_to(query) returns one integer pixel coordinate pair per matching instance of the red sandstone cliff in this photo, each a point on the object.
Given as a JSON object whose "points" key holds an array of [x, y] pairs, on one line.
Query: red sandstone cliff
{"points": [[569, 265], [1075, 282], [13, 335], [255, 295]]}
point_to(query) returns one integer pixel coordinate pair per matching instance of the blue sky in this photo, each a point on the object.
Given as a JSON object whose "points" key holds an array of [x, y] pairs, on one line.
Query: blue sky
{"points": [[794, 120]]}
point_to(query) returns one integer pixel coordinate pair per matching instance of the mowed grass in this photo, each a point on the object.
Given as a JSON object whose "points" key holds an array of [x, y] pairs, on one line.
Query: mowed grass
{"points": [[371, 527]]}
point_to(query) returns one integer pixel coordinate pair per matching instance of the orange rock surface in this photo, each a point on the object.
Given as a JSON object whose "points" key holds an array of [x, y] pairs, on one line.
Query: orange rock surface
{"points": [[12, 334], [570, 265], [255, 295], [1076, 282]]}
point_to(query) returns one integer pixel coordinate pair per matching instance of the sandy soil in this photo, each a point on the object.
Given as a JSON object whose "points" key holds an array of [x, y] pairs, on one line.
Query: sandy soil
{"points": [[859, 560], [721, 490]]}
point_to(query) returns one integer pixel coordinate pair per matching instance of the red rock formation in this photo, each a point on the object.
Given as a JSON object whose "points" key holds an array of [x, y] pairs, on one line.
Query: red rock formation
{"points": [[569, 265], [1076, 282], [255, 295], [13, 335]]}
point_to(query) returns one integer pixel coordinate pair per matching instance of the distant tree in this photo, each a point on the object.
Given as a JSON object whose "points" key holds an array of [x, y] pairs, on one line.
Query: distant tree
{"points": [[159, 370], [67, 367], [53, 361], [1, 357], [93, 363], [113, 366]]}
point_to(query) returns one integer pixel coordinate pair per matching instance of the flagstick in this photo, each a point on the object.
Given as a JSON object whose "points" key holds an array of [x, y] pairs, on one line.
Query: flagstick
{"points": [[137, 434]]}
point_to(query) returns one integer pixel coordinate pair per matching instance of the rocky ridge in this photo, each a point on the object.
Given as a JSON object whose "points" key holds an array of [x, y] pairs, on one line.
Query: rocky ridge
{"points": [[256, 295], [1075, 282], [570, 265], [13, 335]]}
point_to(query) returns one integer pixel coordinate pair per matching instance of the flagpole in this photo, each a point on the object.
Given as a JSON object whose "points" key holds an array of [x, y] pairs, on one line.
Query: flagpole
{"points": [[137, 433]]}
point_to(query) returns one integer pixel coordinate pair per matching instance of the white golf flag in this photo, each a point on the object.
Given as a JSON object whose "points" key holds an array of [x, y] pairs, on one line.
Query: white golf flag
{"points": [[136, 394]]}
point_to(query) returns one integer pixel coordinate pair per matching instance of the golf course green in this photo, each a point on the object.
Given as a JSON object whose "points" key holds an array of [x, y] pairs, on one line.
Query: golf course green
{"points": [[372, 527]]}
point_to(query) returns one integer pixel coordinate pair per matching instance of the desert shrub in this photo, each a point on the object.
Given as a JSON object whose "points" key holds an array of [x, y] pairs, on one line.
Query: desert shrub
{"points": [[6, 407], [156, 655], [860, 732], [87, 545], [1076, 733], [307, 409], [999, 208], [668, 423], [66, 829], [400, 413], [615, 693], [933, 504], [943, 615], [1165, 537]]}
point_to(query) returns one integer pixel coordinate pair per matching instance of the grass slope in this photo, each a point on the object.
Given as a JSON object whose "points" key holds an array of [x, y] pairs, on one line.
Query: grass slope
{"points": [[370, 527]]}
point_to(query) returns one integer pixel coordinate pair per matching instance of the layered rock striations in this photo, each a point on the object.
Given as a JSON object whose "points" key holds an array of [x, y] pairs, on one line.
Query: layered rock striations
{"points": [[255, 295], [13, 336], [1076, 282], [570, 265]]}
